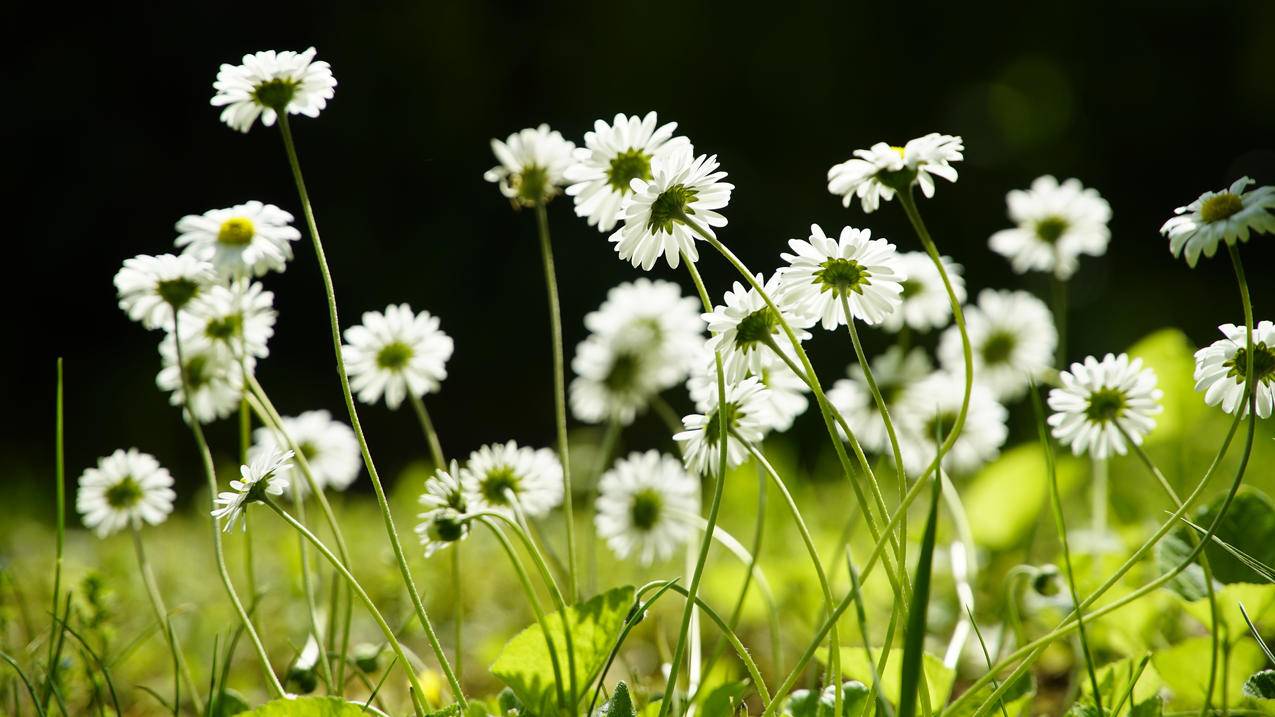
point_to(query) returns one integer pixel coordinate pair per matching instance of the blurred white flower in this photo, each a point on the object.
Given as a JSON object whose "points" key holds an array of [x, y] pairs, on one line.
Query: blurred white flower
{"points": [[652, 318], [497, 473], [533, 165], [894, 371], [1221, 368], [931, 406], [612, 157], [126, 488], [270, 82], [328, 447], [612, 383], [237, 319], [1227, 215], [443, 519], [152, 288], [647, 506], [214, 378], [822, 271], [746, 412], [875, 174], [247, 239], [925, 303], [1012, 337], [395, 353], [743, 325], [1100, 402], [1056, 223]]}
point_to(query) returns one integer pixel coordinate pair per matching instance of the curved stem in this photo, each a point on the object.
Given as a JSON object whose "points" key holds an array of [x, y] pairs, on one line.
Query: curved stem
{"points": [[427, 426], [458, 636], [161, 614], [381, 500]]}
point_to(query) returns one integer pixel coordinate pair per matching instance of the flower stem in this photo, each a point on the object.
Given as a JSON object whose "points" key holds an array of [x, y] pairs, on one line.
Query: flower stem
{"points": [[161, 614], [431, 436], [458, 616], [307, 587], [559, 395], [377, 487], [59, 457], [245, 440]]}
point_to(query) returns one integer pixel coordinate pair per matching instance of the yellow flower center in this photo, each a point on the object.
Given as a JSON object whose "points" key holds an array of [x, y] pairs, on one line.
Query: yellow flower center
{"points": [[236, 230]]}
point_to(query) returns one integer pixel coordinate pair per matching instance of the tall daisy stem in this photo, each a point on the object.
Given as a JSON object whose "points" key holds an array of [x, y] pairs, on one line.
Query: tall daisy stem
{"points": [[559, 395], [307, 588], [161, 615], [427, 426], [381, 499]]}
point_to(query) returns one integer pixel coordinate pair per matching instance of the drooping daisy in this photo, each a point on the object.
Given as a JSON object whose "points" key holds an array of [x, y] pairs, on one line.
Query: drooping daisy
{"points": [[822, 271], [1102, 402], [682, 187], [647, 506], [215, 379], [612, 383], [894, 371], [126, 487], [237, 319], [328, 447], [744, 324], [265, 476], [1221, 368], [652, 318], [747, 417], [1056, 224], [1012, 337], [932, 405], [247, 239], [876, 174], [394, 353], [612, 157], [443, 511], [785, 399], [925, 303], [533, 165], [1227, 215], [151, 288], [269, 83], [496, 473]]}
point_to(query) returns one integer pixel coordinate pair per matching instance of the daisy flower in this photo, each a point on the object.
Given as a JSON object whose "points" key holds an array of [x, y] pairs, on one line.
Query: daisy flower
{"points": [[1100, 403], [269, 83], [894, 371], [265, 476], [682, 187], [1013, 338], [328, 447], [151, 288], [244, 240], [647, 506], [612, 157], [237, 319], [784, 401], [497, 473], [925, 304], [742, 327], [215, 379], [443, 516], [1221, 367], [1227, 215], [126, 488], [612, 383], [932, 405], [533, 165], [652, 318], [747, 417], [1056, 223], [822, 271], [876, 174], [394, 353]]}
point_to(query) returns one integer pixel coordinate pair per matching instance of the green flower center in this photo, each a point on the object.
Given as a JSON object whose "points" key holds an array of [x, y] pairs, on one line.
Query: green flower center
{"points": [[308, 450], [941, 425], [1220, 206], [276, 93], [998, 347], [125, 494], [1263, 364], [1105, 404], [623, 374], [647, 506], [224, 328], [496, 482], [671, 206], [447, 528], [236, 231], [394, 356], [1051, 229], [842, 276], [628, 165], [756, 328], [713, 429], [910, 287], [198, 374], [177, 292], [532, 185]]}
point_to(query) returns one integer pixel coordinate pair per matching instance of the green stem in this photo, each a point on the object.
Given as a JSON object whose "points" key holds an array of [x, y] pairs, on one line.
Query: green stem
{"points": [[559, 395], [431, 436], [245, 440], [1060, 318], [161, 614], [307, 587], [59, 458], [381, 500], [459, 615]]}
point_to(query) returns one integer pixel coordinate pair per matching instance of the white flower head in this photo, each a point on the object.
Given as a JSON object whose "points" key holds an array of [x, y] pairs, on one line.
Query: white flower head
{"points": [[443, 504], [682, 188], [894, 371], [822, 271], [925, 303], [931, 406], [264, 476], [1056, 223], [875, 174], [647, 506], [1228, 215], [236, 318], [785, 399], [152, 288], [1221, 369], [247, 239], [612, 383], [652, 318], [533, 165], [612, 157], [497, 475], [1101, 403], [126, 488], [327, 445], [1012, 337], [269, 83], [744, 324], [214, 377], [396, 352], [747, 416]]}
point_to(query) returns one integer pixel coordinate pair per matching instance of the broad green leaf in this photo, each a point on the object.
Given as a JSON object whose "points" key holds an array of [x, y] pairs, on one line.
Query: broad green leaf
{"points": [[1169, 553], [723, 699], [1259, 600], [620, 704], [1249, 525], [854, 666], [1261, 685], [1018, 696], [1150, 707], [308, 707], [1005, 499], [1185, 671], [1171, 355], [228, 704], [913, 660], [524, 665], [805, 703]]}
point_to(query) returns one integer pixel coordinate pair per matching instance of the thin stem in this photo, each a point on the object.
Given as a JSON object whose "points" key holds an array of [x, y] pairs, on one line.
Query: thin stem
{"points": [[161, 614], [307, 587], [381, 500], [1060, 318], [59, 458], [245, 441], [559, 395], [431, 436], [458, 616]]}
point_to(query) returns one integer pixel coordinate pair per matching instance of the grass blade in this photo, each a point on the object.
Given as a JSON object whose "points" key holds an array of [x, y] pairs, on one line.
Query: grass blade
{"points": [[1256, 635], [914, 635], [106, 672], [39, 707]]}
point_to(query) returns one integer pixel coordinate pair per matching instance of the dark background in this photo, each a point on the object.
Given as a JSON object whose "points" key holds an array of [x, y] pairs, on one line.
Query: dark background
{"points": [[109, 139]]}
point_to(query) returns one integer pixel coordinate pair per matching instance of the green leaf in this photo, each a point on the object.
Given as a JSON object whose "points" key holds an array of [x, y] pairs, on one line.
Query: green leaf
{"points": [[723, 699], [1171, 355], [1150, 707], [1261, 685], [620, 704], [1005, 499], [308, 707], [1169, 553], [1018, 696], [1249, 525], [854, 666], [524, 665], [1259, 600], [805, 703], [228, 704], [1185, 671], [914, 635]]}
